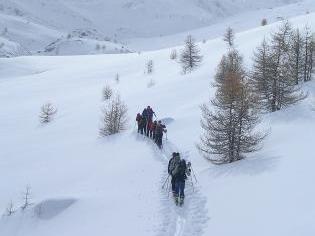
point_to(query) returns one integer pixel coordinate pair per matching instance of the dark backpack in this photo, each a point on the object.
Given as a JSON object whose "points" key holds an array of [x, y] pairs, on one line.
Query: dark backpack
{"points": [[138, 118], [180, 169], [172, 165]]}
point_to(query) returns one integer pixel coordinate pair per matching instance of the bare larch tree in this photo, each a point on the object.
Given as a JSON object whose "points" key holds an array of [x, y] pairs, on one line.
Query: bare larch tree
{"points": [[273, 76], [229, 37], [173, 54], [117, 78], [296, 56], [107, 92], [228, 128], [231, 62], [10, 210], [309, 51], [26, 198], [114, 117], [190, 57], [149, 67], [264, 22], [47, 113]]}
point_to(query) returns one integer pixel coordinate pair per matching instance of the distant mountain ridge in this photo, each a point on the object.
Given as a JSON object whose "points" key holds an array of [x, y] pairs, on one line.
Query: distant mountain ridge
{"points": [[34, 24]]}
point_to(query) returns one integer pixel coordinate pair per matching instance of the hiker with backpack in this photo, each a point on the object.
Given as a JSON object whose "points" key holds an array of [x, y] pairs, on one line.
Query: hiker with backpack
{"points": [[160, 129], [171, 167], [180, 174], [150, 113], [145, 116], [145, 113], [154, 129], [150, 129], [138, 119], [143, 123]]}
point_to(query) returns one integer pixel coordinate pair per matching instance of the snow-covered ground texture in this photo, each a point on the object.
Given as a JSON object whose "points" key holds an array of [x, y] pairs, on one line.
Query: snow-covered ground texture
{"points": [[11, 49], [136, 24], [86, 185], [240, 20], [83, 42], [37, 38]]}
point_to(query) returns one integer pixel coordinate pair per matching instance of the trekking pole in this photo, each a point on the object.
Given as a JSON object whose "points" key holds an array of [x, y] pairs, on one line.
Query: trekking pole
{"points": [[165, 181], [192, 183], [168, 188], [192, 170]]}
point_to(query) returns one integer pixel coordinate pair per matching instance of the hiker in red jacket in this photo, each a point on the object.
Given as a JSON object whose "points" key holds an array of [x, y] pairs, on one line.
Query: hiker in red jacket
{"points": [[138, 119], [151, 129], [154, 129], [160, 129]]}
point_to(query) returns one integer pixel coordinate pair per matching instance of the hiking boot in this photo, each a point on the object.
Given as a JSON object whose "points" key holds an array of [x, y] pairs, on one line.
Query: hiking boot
{"points": [[176, 200], [181, 201]]}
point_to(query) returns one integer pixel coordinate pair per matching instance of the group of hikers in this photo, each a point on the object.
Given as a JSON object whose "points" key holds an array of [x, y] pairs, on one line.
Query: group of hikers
{"points": [[178, 170], [153, 129]]}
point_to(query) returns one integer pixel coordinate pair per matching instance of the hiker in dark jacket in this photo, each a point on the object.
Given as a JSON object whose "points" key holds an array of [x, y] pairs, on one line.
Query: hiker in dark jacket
{"points": [[150, 113], [160, 129], [171, 167], [143, 125], [138, 119], [145, 113], [180, 174], [154, 130], [150, 129]]}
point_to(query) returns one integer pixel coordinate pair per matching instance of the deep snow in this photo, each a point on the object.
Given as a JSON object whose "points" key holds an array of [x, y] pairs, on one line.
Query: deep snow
{"points": [[115, 183]]}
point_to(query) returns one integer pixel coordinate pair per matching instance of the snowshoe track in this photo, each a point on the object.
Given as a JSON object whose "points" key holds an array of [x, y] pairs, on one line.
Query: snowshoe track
{"points": [[191, 218]]}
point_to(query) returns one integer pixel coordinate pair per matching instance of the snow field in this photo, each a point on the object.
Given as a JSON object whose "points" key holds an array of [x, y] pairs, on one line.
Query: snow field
{"points": [[116, 182]]}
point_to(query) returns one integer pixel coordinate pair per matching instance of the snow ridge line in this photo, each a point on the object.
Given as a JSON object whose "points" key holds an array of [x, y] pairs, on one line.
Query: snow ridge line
{"points": [[190, 219]]}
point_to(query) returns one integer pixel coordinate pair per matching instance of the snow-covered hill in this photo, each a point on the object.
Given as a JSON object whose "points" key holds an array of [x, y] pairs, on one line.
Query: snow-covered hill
{"points": [[86, 185], [35, 24], [83, 42], [34, 37], [133, 18], [11, 49]]}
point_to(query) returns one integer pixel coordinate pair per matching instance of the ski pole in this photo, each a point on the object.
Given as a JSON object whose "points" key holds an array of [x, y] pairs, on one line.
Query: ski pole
{"points": [[165, 181], [168, 188], [192, 183], [166, 185], [194, 174]]}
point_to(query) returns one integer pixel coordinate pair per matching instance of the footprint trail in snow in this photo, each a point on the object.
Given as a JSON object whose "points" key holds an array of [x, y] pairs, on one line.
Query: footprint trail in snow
{"points": [[191, 218]]}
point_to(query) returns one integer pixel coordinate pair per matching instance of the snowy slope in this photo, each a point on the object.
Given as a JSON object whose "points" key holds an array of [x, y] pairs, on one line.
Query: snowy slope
{"points": [[30, 35], [36, 35], [136, 17], [242, 21], [142, 24], [83, 42], [114, 184], [38, 38], [11, 49]]}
